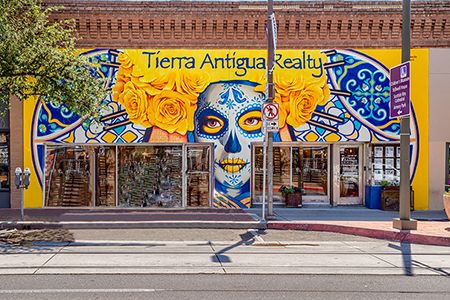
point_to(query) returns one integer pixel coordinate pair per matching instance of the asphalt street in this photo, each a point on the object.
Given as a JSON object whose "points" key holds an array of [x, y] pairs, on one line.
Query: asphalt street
{"points": [[221, 264], [223, 287]]}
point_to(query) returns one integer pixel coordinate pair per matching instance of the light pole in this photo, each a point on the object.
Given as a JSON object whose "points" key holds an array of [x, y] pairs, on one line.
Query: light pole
{"points": [[405, 222], [270, 98]]}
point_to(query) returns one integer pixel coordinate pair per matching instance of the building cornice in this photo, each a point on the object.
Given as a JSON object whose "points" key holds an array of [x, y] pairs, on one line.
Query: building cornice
{"points": [[240, 24]]}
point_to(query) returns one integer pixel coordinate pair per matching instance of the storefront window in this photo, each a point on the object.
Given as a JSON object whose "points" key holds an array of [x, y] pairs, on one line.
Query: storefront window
{"points": [[281, 170], [128, 176], [302, 167], [68, 171], [258, 174], [386, 163], [105, 173], [150, 176], [4, 161]]}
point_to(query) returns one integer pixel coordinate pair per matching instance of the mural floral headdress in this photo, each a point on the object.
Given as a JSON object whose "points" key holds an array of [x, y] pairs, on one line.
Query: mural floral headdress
{"points": [[169, 100]]}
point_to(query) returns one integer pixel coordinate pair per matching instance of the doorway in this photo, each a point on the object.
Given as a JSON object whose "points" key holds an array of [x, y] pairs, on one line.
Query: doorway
{"points": [[199, 175], [311, 171], [348, 182], [304, 166]]}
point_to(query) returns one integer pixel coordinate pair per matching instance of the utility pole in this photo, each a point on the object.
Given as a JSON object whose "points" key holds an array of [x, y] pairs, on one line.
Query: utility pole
{"points": [[270, 98], [405, 222]]}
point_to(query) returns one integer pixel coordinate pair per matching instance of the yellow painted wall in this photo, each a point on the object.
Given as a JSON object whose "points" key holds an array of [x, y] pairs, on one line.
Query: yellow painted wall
{"points": [[419, 98], [389, 57], [33, 195]]}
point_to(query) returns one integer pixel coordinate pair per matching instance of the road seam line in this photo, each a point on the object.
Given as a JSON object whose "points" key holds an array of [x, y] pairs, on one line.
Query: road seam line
{"points": [[217, 257], [43, 265], [373, 255]]}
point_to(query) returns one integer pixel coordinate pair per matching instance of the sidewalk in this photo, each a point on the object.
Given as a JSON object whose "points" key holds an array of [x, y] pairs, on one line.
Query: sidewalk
{"points": [[106, 218], [433, 226]]}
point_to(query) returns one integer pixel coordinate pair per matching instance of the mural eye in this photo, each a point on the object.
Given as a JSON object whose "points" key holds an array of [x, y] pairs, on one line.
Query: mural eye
{"points": [[251, 121], [212, 125]]}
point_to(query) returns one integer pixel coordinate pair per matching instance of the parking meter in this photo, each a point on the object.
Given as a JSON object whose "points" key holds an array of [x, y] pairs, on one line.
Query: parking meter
{"points": [[18, 179], [26, 178]]}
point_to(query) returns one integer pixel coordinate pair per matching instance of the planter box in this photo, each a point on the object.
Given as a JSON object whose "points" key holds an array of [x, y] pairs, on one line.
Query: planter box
{"points": [[390, 198], [446, 199], [293, 200]]}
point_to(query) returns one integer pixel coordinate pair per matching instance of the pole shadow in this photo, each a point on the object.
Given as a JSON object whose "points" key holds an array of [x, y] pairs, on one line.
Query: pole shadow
{"points": [[247, 239], [405, 249]]}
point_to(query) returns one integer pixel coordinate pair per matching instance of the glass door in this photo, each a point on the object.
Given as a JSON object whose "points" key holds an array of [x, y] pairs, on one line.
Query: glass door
{"points": [[310, 172], [282, 172], [198, 175], [349, 164]]}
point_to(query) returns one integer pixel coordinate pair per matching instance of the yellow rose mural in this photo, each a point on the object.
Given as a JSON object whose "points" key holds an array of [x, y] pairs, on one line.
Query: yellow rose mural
{"points": [[172, 111], [169, 97], [192, 83], [303, 102], [123, 76], [136, 103]]}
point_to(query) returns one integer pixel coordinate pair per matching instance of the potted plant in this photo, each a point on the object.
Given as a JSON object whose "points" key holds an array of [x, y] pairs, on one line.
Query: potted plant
{"points": [[292, 195], [447, 203]]}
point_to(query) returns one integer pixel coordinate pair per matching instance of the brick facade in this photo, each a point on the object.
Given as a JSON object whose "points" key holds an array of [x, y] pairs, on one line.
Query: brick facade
{"points": [[309, 24]]}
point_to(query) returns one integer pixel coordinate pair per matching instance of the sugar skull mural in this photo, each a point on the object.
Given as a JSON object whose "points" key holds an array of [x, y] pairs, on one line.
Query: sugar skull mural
{"points": [[229, 115], [215, 96]]}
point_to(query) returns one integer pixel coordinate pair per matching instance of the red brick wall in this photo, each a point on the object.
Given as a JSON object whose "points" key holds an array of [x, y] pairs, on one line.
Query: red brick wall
{"points": [[309, 24], [16, 147]]}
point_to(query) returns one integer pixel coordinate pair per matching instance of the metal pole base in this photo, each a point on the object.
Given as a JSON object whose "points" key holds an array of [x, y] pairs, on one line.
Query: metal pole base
{"points": [[272, 217], [404, 224]]}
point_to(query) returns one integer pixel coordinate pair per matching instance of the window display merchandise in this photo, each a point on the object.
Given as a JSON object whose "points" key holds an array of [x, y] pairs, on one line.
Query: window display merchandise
{"points": [[349, 172], [105, 161], [150, 176], [303, 167], [68, 176], [198, 176], [385, 159]]}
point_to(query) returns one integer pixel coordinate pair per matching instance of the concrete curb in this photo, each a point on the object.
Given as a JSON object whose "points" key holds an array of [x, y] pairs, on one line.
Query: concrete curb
{"points": [[132, 224], [398, 236]]}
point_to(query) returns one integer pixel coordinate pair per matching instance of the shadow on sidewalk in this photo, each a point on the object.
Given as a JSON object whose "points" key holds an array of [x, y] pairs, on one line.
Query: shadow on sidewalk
{"points": [[409, 262], [247, 238], [405, 249]]}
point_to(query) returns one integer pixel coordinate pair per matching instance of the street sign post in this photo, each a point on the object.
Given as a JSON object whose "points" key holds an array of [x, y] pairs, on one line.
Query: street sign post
{"points": [[270, 114], [271, 42], [400, 101], [400, 90], [270, 111]]}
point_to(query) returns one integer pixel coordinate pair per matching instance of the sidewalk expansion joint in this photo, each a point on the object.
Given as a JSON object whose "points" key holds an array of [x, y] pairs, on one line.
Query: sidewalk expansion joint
{"points": [[51, 257], [370, 254], [217, 257]]}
